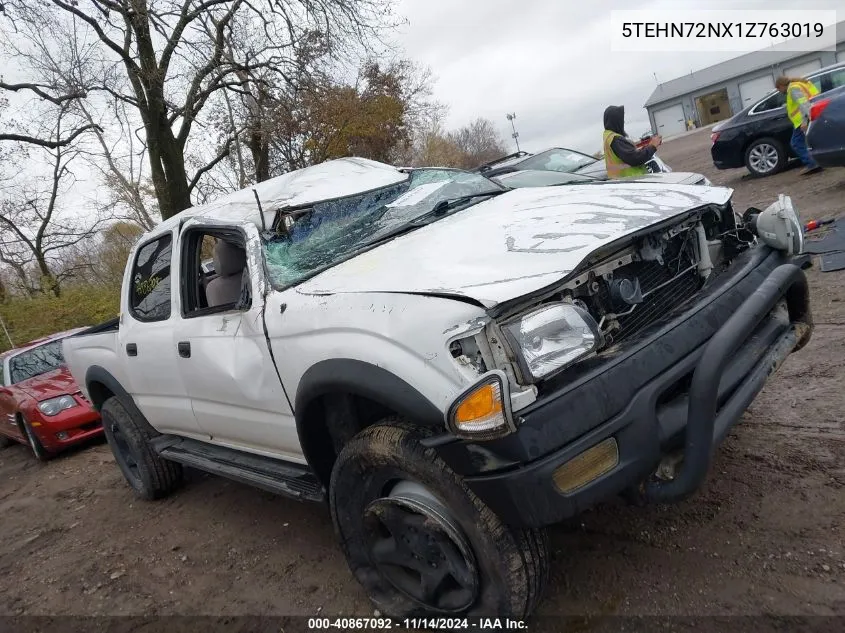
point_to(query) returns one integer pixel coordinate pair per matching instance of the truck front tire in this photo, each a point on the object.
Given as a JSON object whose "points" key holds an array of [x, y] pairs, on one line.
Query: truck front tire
{"points": [[150, 476], [419, 541]]}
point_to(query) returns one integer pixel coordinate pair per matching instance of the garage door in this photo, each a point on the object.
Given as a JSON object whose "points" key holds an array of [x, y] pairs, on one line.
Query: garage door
{"points": [[670, 121], [753, 90], [840, 56], [802, 70]]}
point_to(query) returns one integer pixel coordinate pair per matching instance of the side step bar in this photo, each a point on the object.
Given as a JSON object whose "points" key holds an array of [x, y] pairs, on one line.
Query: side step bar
{"points": [[274, 475]]}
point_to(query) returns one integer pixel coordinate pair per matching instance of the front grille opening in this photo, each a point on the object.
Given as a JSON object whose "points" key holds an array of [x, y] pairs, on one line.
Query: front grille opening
{"points": [[664, 290]]}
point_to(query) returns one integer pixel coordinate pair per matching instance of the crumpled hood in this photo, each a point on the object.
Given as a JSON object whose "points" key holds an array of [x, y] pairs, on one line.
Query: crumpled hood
{"points": [[50, 385], [514, 244]]}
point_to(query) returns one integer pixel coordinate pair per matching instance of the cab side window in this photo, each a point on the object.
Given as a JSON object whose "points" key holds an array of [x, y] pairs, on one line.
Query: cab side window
{"points": [[149, 292], [216, 277]]}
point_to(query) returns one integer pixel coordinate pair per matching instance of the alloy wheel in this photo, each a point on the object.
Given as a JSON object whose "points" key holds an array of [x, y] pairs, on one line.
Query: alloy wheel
{"points": [[763, 158]]}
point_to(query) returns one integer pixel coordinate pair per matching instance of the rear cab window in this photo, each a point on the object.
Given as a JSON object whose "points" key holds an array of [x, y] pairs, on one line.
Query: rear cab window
{"points": [[149, 290]]}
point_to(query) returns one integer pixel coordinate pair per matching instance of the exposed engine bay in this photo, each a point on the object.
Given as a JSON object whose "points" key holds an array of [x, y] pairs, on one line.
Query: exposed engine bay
{"points": [[656, 273], [630, 287]]}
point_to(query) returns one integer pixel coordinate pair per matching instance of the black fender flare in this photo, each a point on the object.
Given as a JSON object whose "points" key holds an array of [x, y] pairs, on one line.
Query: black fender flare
{"points": [[362, 379], [96, 373]]}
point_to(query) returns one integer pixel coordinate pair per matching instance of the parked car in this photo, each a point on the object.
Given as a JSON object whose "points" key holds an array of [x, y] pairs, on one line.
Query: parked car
{"points": [[758, 138], [559, 159], [536, 178], [826, 134], [451, 364], [41, 406]]}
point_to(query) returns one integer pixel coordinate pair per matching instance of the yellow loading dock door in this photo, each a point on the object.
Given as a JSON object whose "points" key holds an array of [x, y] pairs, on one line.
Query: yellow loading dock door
{"points": [[713, 107]]}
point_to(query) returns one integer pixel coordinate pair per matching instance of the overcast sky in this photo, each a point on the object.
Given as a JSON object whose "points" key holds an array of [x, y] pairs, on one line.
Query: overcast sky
{"points": [[549, 61]]}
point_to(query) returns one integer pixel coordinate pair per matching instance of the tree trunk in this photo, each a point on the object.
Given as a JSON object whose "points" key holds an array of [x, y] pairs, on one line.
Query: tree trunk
{"points": [[49, 283], [260, 150], [167, 165]]}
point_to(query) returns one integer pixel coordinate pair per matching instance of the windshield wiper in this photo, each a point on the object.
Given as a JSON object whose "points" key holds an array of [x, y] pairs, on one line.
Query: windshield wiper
{"points": [[446, 205]]}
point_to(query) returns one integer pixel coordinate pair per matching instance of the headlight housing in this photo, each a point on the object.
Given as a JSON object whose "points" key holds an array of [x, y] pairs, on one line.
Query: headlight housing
{"points": [[483, 412], [778, 226], [54, 406], [552, 337]]}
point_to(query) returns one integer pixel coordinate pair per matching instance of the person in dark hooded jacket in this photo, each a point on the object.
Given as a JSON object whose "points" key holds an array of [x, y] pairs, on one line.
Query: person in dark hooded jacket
{"points": [[621, 156]]}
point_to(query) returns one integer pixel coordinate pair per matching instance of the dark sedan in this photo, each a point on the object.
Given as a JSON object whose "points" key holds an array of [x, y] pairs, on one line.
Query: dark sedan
{"points": [[826, 135], [758, 137]]}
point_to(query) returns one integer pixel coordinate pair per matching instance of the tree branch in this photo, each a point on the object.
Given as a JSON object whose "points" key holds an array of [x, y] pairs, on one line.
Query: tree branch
{"points": [[37, 89], [105, 39], [32, 140], [223, 154]]}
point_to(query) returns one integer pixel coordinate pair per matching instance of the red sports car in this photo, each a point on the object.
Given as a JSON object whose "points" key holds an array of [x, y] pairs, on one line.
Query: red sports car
{"points": [[40, 403]]}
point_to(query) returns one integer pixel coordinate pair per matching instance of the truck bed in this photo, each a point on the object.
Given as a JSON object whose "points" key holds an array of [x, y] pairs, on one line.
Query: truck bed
{"points": [[95, 346]]}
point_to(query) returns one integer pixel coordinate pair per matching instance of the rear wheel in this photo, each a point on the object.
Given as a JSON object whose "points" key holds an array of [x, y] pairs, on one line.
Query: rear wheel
{"points": [[420, 542], [765, 156], [35, 444], [150, 476]]}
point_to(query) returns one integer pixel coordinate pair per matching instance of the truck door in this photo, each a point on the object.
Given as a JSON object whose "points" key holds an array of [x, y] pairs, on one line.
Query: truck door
{"points": [[225, 361], [145, 341]]}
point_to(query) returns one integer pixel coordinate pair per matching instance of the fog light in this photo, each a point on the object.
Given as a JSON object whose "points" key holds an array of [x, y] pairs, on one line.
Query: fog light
{"points": [[62, 435], [589, 465]]}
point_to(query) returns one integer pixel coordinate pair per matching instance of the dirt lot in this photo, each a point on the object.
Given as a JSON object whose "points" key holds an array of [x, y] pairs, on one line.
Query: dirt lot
{"points": [[765, 535]]}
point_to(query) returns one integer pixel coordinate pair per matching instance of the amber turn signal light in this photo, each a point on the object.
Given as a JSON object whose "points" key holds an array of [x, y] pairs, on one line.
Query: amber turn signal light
{"points": [[587, 466], [483, 411]]}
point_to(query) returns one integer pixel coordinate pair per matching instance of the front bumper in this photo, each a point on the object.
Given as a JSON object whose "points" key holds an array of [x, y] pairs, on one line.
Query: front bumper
{"points": [[71, 426], [682, 388]]}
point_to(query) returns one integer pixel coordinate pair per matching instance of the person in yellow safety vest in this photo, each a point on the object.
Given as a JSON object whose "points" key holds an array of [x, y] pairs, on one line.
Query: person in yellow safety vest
{"points": [[798, 94], [621, 156]]}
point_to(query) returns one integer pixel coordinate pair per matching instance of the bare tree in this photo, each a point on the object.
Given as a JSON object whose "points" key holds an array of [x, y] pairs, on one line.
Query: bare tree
{"points": [[120, 159], [479, 142], [172, 61], [34, 232]]}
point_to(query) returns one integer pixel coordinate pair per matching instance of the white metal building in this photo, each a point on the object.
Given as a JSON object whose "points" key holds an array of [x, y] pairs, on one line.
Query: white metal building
{"points": [[720, 91]]}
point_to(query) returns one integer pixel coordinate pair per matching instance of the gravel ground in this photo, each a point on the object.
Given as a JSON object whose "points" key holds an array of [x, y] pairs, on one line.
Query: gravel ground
{"points": [[766, 534]]}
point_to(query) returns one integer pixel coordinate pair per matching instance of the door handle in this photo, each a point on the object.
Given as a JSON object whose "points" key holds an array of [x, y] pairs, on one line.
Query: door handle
{"points": [[184, 348], [131, 349]]}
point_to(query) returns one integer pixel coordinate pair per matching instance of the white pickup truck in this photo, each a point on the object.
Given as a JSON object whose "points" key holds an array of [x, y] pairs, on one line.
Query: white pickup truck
{"points": [[450, 364]]}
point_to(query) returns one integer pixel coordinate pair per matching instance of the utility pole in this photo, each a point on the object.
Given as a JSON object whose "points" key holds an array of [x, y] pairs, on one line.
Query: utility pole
{"points": [[515, 135]]}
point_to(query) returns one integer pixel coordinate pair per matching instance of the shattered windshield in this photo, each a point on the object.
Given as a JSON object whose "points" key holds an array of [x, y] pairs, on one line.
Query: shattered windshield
{"points": [[310, 240], [36, 361]]}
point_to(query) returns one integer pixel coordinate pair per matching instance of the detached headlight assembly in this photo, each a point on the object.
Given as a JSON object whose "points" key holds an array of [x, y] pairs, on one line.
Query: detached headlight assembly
{"points": [[552, 337], [778, 226], [54, 406]]}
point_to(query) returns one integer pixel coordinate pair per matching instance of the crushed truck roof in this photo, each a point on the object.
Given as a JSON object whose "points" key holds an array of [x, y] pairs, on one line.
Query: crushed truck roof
{"points": [[332, 179]]}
